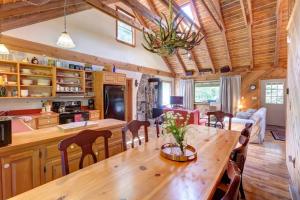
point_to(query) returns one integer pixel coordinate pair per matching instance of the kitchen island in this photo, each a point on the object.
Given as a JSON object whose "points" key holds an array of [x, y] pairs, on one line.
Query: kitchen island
{"points": [[33, 158]]}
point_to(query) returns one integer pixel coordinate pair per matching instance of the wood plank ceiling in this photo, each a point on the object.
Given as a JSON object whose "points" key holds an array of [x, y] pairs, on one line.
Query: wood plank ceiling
{"points": [[245, 34]]}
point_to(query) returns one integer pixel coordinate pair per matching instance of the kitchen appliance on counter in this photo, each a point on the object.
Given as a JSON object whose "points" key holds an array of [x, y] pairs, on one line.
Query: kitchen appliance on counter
{"points": [[91, 104], [69, 111], [114, 103], [5, 131]]}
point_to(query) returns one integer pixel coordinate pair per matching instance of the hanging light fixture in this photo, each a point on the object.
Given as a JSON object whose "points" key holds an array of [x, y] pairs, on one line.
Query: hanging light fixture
{"points": [[169, 38], [3, 49], [64, 40]]}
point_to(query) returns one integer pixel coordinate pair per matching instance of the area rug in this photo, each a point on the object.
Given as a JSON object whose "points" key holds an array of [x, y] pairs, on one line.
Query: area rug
{"points": [[277, 132]]}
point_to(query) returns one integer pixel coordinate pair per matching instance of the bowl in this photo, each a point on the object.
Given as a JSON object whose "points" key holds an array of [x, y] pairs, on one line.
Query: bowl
{"points": [[27, 82], [24, 93], [26, 71], [45, 82], [11, 83]]}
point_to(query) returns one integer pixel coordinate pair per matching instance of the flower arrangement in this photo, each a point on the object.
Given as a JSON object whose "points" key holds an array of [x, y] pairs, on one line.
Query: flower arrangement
{"points": [[176, 125]]}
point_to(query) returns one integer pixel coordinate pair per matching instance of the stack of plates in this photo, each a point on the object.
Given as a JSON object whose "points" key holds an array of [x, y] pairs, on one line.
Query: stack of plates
{"points": [[43, 82]]}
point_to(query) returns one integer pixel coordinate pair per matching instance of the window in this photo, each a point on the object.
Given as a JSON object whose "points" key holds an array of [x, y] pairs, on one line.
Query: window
{"points": [[125, 32], [274, 93], [166, 92], [206, 92], [188, 10]]}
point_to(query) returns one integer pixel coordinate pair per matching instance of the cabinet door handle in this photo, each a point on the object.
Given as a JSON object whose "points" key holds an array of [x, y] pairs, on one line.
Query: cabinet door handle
{"points": [[96, 153], [6, 165], [72, 146]]}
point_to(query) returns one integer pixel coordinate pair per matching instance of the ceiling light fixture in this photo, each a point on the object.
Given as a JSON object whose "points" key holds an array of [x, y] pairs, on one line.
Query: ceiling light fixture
{"points": [[170, 38], [64, 40], [3, 49]]}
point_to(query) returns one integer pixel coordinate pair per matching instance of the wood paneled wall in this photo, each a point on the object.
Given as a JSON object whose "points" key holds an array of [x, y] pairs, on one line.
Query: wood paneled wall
{"points": [[293, 102]]}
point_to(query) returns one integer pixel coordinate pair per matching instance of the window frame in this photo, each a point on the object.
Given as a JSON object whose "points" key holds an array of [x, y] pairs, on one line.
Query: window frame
{"points": [[204, 102], [274, 96], [171, 86], [133, 29]]}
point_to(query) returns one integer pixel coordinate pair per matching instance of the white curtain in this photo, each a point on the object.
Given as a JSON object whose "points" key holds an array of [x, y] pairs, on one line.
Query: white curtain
{"points": [[187, 91], [230, 93]]}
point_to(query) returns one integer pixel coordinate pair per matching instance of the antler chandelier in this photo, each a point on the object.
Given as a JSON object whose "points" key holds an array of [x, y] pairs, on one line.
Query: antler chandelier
{"points": [[170, 37]]}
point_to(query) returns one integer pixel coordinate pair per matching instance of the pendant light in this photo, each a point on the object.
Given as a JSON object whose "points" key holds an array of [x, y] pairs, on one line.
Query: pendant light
{"points": [[3, 49], [64, 40]]}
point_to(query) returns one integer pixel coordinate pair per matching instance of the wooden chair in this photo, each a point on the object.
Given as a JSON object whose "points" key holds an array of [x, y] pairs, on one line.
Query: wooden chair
{"points": [[239, 156], [134, 127], [247, 130], [158, 121], [219, 115], [232, 191], [85, 140]]}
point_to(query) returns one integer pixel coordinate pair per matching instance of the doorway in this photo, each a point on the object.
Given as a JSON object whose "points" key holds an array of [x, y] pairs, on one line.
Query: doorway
{"points": [[274, 99]]}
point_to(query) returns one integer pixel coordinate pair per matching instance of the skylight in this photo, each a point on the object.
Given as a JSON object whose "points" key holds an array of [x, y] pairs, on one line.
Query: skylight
{"points": [[188, 10]]}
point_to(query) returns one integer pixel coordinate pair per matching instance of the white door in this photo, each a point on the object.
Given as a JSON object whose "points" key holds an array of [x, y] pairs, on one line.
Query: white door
{"points": [[274, 99]]}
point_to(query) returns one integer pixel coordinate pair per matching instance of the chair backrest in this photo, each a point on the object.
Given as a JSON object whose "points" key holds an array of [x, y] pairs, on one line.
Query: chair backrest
{"points": [[247, 130], [84, 139], [219, 115], [134, 127], [239, 154], [158, 121], [234, 175]]}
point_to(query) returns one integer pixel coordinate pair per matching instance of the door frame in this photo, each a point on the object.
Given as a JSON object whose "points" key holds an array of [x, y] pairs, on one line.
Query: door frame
{"points": [[262, 94]]}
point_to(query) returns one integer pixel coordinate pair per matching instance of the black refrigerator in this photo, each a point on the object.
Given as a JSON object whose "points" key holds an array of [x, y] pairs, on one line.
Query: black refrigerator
{"points": [[114, 103]]}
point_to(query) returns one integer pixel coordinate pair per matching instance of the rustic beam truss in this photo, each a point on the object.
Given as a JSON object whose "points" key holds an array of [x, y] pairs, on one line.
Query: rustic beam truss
{"points": [[193, 3]]}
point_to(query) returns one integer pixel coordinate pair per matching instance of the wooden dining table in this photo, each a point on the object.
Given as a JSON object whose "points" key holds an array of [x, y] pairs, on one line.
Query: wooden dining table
{"points": [[141, 173]]}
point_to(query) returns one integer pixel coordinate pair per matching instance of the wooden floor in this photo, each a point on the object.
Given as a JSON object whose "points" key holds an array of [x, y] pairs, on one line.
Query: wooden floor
{"points": [[265, 174]]}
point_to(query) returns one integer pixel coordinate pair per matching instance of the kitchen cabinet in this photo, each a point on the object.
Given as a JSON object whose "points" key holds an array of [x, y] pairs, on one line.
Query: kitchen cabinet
{"points": [[114, 78], [94, 114], [53, 169], [47, 121], [20, 172], [33, 157]]}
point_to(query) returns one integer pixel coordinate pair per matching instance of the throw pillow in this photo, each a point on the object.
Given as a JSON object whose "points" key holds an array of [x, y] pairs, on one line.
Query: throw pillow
{"points": [[251, 111], [243, 115]]}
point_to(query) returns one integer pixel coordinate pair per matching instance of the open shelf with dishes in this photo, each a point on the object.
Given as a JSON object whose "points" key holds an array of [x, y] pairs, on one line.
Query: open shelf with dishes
{"points": [[89, 84], [9, 79], [69, 81], [36, 80], [26, 80]]}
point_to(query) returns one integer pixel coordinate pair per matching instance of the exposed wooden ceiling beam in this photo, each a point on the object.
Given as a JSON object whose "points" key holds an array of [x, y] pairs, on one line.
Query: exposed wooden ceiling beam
{"points": [[20, 21], [198, 17], [248, 24], [181, 62], [42, 49], [165, 59], [212, 15], [141, 9], [278, 27], [140, 19], [223, 32], [30, 9], [113, 13], [177, 10]]}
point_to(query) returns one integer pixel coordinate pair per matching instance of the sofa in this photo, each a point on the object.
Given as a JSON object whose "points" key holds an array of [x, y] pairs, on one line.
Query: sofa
{"points": [[258, 119], [194, 114]]}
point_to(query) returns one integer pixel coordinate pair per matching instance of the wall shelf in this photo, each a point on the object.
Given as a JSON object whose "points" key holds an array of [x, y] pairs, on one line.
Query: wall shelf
{"points": [[14, 72]]}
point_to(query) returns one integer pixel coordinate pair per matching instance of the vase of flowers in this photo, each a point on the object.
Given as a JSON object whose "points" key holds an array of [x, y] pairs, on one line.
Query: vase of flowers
{"points": [[176, 125]]}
